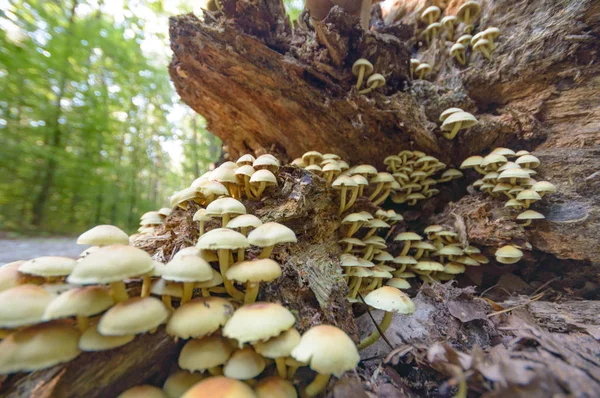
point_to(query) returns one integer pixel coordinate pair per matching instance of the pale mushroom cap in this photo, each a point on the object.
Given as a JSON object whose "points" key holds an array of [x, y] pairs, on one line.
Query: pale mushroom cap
{"points": [[390, 299], [328, 350], [23, 305], [332, 166], [361, 63], [260, 270], [271, 233], [244, 221], [213, 188], [314, 168], [111, 264], [410, 236], [187, 269], [220, 387], [352, 241], [264, 176], [365, 169], [266, 161], [201, 215], [454, 268], [491, 32], [405, 260], [501, 187], [522, 152], [143, 391], [227, 205], [205, 353], [216, 280], [38, 347], [280, 346], [83, 301], [244, 364], [450, 251], [378, 272], [343, 180], [258, 322], [449, 20], [398, 283], [348, 260], [382, 177], [473, 8], [433, 229], [187, 251], [91, 340], [181, 381], [275, 387], [384, 256], [103, 235], [528, 159], [476, 38], [423, 67], [456, 48], [199, 317], [481, 43], [343, 165], [509, 251], [164, 211], [245, 170], [330, 156], [48, 266], [513, 173], [355, 217], [9, 275], [452, 173], [465, 118], [414, 62], [540, 186], [246, 159], [422, 245], [528, 194], [134, 316], [464, 40], [433, 26], [428, 266], [530, 215], [312, 155], [376, 80], [431, 12], [471, 161], [466, 260], [506, 152], [222, 238]]}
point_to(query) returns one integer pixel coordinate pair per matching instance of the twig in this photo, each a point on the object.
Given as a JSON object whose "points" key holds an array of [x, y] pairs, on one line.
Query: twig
{"points": [[545, 284], [531, 300]]}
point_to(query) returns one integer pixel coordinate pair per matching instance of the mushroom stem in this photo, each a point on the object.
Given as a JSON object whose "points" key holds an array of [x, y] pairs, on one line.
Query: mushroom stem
{"points": [[405, 249], [215, 371], [361, 189], [261, 188], [356, 287], [368, 253], [145, 286], [353, 228], [454, 131], [225, 219], [188, 290], [118, 291], [281, 367], [266, 252], [201, 229], [361, 76], [205, 292], [526, 223], [82, 322], [342, 200], [166, 299], [486, 53], [419, 254], [422, 71], [223, 267], [251, 292], [370, 233], [353, 196], [317, 385], [292, 371], [375, 335], [376, 191], [247, 188], [480, 170], [383, 197], [372, 285]]}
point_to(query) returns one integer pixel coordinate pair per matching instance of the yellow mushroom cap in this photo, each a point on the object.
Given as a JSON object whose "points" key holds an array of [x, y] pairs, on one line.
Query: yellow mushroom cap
{"points": [[216, 280], [424, 67], [390, 299], [244, 364], [212, 188], [455, 49], [187, 269], [9, 275], [541, 186], [227, 205], [408, 236], [428, 266], [454, 268], [506, 152], [260, 270], [530, 160], [91, 340], [143, 391], [528, 194], [344, 181], [449, 20], [181, 381], [23, 305], [452, 174], [264, 176], [328, 350], [464, 40], [360, 63], [466, 119], [266, 162], [271, 233], [244, 221], [204, 353], [432, 12], [481, 43], [201, 215], [103, 235], [398, 283], [530, 215], [258, 322], [220, 387], [199, 317], [444, 115], [222, 238], [314, 168], [48, 266], [491, 32], [365, 169], [413, 64], [471, 162], [473, 8], [246, 159], [111, 264], [405, 260], [38, 347], [376, 80], [164, 212], [466, 260], [317, 157], [508, 254], [513, 173], [246, 170], [355, 217], [134, 316], [83, 301], [280, 346], [275, 387]]}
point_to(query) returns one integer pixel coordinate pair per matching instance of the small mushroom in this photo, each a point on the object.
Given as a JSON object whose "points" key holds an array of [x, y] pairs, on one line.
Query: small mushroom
{"points": [[431, 31], [457, 121], [465, 40], [345, 183], [543, 188], [260, 180], [374, 81], [201, 217], [361, 68], [482, 46], [508, 254], [528, 216], [414, 63], [490, 34], [252, 273], [527, 197], [458, 51], [431, 14], [467, 13], [449, 22], [422, 70]]}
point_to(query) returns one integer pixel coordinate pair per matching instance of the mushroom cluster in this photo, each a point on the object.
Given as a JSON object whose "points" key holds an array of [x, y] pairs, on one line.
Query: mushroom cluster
{"points": [[150, 220], [363, 68], [508, 174]]}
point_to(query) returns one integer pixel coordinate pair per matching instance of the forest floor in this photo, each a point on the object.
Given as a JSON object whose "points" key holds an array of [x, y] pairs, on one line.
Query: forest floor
{"points": [[28, 248]]}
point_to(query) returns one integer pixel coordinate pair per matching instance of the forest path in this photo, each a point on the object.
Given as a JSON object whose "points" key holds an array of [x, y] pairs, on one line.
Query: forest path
{"points": [[28, 248]]}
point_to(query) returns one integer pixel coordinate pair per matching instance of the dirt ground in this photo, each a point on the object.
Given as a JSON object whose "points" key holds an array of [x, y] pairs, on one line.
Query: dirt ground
{"points": [[28, 248]]}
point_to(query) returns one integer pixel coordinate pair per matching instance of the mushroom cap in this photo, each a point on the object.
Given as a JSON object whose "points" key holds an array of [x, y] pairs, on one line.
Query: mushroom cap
{"points": [[328, 350], [342, 181], [102, 235], [491, 32], [471, 162], [360, 64], [318, 156], [431, 12], [330, 156], [355, 217], [213, 188], [134, 316], [91, 340], [398, 283], [220, 387], [343, 165], [365, 169], [204, 353], [452, 174], [216, 280], [410, 236], [466, 260], [83, 301], [476, 38], [466, 119], [455, 49], [260, 270], [187, 269], [481, 43], [179, 382], [246, 159], [473, 8], [143, 391], [23, 305], [352, 241], [271, 233], [509, 251], [266, 162], [361, 272], [349, 260], [258, 322], [245, 170], [449, 20], [428, 266], [530, 215], [265, 176], [513, 173], [382, 177], [376, 241], [502, 187], [186, 251], [111, 264], [332, 166], [528, 194], [298, 162], [491, 176], [404, 260], [413, 64], [164, 211], [199, 317], [376, 80], [244, 221], [522, 152], [531, 160], [422, 245], [540, 186], [433, 229], [464, 40], [227, 205], [224, 174], [280, 346], [506, 152], [38, 347], [405, 274], [222, 238], [393, 159], [201, 215], [423, 67], [444, 115], [9, 275], [384, 256], [48, 266], [275, 387], [433, 26], [390, 299], [359, 180], [454, 268], [244, 364]]}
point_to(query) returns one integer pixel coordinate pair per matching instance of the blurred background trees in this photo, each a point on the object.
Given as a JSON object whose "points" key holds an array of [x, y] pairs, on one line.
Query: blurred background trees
{"points": [[91, 129]]}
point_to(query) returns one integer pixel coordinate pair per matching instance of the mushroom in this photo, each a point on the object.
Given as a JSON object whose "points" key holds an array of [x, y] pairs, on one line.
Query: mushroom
{"points": [[244, 222], [199, 318], [270, 234], [187, 270], [528, 216], [414, 63], [9, 275], [80, 303], [431, 31], [220, 387], [207, 353], [134, 316], [374, 224], [143, 391], [226, 176], [465, 40], [383, 181], [315, 169], [166, 290], [508, 254], [490, 34], [361, 182], [528, 161], [448, 22], [374, 81], [103, 235], [331, 171], [361, 68], [279, 348], [450, 174], [243, 174], [343, 183], [407, 238], [459, 52], [258, 322], [482, 46], [398, 283], [355, 220], [49, 268], [211, 190], [468, 12], [327, 350], [252, 273], [350, 243], [541, 187], [244, 364], [431, 14], [312, 157], [225, 208], [275, 387], [390, 300], [245, 160], [527, 197], [457, 121], [422, 70], [260, 180], [179, 382], [473, 162], [266, 162], [201, 217], [23, 305], [92, 341]]}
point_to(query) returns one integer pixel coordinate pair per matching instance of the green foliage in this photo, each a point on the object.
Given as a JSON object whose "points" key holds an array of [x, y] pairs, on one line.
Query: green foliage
{"points": [[84, 120]]}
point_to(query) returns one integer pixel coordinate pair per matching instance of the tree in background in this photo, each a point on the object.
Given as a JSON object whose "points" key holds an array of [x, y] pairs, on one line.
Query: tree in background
{"points": [[85, 131]]}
